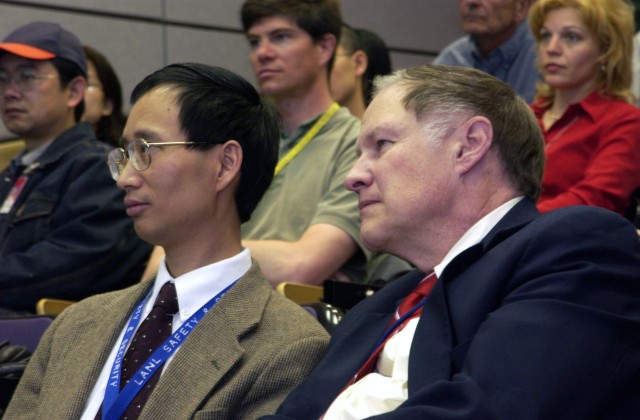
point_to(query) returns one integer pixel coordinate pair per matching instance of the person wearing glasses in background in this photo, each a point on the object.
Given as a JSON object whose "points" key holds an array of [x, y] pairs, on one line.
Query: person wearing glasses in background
{"points": [[103, 98], [199, 150], [64, 232]]}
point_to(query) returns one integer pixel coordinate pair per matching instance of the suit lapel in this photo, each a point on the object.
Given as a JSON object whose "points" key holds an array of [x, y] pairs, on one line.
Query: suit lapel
{"points": [[435, 335], [211, 351], [99, 322], [521, 214], [432, 342]]}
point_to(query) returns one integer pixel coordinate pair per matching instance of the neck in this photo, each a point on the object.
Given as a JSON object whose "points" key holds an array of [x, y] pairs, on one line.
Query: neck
{"points": [[36, 139], [183, 260], [562, 98], [296, 109], [487, 193], [209, 244], [488, 43], [355, 104]]}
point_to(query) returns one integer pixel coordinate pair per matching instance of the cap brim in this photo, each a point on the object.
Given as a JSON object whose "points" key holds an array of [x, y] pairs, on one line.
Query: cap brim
{"points": [[26, 51]]}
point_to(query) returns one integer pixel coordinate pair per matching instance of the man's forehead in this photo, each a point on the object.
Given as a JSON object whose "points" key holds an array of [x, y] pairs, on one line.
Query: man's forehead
{"points": [[387, 106], [272, 24], [150, 116]]}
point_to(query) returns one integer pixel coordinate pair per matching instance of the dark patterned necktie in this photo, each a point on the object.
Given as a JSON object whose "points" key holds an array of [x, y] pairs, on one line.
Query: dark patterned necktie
{"points": [[152, 332]]}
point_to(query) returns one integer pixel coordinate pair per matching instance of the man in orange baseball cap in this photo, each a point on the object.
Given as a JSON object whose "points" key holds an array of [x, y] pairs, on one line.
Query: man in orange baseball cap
{"points": [[64, 232], [44, 41]]}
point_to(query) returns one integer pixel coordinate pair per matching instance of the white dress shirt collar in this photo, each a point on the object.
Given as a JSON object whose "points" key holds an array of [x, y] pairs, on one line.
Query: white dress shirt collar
{"points": [[197, 287], [476, 233]]}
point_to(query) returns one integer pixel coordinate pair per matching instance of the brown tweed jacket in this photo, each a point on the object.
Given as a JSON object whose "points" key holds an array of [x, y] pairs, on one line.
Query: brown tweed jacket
{"points": [[241, 361]]}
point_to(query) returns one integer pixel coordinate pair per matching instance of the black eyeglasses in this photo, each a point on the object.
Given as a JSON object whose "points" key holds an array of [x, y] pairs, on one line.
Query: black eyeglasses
{"points": [[138, 152]]}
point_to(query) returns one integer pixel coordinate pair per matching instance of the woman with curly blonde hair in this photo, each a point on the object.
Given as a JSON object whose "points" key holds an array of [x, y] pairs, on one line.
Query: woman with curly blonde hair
{"points": [[584, 103]]}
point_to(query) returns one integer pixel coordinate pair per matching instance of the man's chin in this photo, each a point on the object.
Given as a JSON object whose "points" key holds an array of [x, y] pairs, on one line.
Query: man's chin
{"points": [[374, 241], [268, 88], [474, 28], [145, 234]]}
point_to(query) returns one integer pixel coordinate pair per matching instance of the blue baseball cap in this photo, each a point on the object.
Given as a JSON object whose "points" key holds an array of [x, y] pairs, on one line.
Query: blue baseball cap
{"points": [[44, 41]]}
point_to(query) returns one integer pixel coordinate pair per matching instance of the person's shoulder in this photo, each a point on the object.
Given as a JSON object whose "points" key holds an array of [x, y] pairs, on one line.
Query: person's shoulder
{"points": [[593, 222], [457, 53], [571, 212], [343, 120], [93, 306], [91, 144], [291, 318], [341, 131], [277, 314], [626, 108]]}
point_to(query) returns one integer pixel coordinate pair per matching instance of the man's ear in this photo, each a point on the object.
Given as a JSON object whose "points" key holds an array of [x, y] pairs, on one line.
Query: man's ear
{"points": [[361, 61], [230, 156], [474, 143], [326, 47], [76, 88]]}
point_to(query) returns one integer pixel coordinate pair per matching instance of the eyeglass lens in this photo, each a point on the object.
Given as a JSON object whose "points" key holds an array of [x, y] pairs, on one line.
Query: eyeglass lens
{"points": [[24, 79], [137, 152]]}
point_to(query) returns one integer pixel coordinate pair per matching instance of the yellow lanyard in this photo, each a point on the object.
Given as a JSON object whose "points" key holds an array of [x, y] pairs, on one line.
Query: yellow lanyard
{"points": [[306, 139]]}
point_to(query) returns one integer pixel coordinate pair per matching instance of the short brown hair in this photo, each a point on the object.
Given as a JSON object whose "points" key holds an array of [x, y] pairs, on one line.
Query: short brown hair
{"points": [[316, 17]]}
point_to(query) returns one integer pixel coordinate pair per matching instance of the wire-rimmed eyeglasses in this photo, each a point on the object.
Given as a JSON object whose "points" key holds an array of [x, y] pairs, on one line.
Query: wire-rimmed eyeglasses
{"points": [[24, 79], [138, 152]]}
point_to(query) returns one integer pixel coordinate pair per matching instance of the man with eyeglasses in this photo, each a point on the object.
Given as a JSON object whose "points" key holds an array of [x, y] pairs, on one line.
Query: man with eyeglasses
{"points": [[199, 151], [64, 232]]}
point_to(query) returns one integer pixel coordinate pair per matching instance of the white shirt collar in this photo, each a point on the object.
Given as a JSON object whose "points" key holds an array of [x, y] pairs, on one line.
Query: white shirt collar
{"points": [[476, 233], [197, 287]]}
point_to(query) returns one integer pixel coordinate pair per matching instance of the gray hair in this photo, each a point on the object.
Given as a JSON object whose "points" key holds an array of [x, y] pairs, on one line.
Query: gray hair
{"points": [[443, 96]]}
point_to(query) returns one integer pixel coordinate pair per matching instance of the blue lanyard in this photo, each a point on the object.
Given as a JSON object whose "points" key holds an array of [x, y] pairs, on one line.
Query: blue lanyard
{"points": [[399, 321], [115, 402]]}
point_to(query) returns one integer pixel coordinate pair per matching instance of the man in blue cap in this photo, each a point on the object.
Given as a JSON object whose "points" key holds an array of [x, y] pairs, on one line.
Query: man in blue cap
{"points": [[64, 232]]}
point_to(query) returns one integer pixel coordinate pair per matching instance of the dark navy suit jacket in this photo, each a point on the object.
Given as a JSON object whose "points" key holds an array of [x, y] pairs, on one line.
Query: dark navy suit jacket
{"points": [[541, 320]]}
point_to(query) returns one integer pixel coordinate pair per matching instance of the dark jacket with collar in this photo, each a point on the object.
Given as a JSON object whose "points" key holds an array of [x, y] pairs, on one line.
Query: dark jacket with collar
{"points": [[67, 235], [540, 320]]}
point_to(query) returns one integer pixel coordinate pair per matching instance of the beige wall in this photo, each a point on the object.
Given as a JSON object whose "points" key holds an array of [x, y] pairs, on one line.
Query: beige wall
{"points": [[140, 36]]}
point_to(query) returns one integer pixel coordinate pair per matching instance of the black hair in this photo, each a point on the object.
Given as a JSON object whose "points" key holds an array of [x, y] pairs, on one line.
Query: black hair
{"points": [[217, 105], [109, 128], [316, 17], [378, 60], [68, 71]]}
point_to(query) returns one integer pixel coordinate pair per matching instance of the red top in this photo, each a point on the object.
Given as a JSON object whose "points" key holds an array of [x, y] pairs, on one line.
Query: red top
{"points": [[593, 155]]}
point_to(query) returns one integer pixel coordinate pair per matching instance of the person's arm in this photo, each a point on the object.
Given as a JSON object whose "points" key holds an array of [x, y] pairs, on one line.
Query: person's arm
{"points": [[25, 401], [316, 256], [613, 172], [85, 243]]}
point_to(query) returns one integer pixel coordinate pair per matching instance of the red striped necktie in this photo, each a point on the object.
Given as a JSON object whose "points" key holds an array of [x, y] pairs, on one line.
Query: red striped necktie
{"points": [[410, 308]]}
